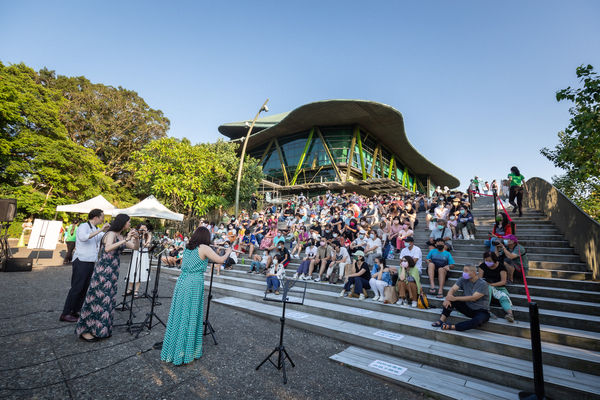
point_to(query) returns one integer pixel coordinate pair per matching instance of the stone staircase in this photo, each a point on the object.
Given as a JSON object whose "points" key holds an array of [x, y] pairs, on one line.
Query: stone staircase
{"points": [[399, 344]]}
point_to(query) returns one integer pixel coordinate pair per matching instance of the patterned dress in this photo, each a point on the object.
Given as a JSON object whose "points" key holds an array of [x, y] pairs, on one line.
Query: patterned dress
{"points": [[98, 310], [183, 338]]}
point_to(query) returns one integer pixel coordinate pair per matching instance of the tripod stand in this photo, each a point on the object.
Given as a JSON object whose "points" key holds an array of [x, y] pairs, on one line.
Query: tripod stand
{"points": [[208, 328], [282, 353], [152, 314]]}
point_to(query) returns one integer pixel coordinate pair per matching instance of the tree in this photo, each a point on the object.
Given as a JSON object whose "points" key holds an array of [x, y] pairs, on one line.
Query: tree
{"points": [[113, 122], [39, 164], [192, 179], [578, 150]]}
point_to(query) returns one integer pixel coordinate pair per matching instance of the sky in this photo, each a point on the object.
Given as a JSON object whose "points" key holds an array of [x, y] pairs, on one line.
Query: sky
{"points": [[475, 80]]}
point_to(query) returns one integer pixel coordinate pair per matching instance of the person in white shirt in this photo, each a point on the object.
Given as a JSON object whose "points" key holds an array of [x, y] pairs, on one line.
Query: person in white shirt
{"points": [[87, 245], [374, 247], [413, 251], [341, 262]]}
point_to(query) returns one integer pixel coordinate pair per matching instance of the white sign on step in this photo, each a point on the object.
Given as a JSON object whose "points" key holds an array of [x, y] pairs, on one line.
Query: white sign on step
{"points": [[389, 335], [390, 368]]}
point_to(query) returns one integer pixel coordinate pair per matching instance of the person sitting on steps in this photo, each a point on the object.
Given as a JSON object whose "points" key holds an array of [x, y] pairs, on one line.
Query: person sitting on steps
{"points": [[493, 272], [511, 253], [439, 262], [474, 303], [409, 280], [359, 277]]}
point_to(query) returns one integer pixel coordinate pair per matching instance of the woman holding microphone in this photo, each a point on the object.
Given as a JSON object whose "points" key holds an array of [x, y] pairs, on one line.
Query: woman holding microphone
{"points": [[183, 337]]}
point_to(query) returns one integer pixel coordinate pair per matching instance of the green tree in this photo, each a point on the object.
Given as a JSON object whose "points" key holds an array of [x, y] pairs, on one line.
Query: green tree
{"points": [[39, 164], [578, 150], [113, 122], [192, 179]]}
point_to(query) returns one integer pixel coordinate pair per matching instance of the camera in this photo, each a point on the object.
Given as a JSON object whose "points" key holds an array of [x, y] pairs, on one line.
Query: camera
{"points": [[496, 242]]}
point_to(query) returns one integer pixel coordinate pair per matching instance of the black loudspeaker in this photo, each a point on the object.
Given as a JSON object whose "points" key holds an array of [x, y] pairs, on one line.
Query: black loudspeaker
{"points": [[8, 210], [18, 264]]}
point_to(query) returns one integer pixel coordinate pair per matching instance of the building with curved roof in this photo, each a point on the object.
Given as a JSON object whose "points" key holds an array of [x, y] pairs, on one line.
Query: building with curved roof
{"points": [[353, 144]]}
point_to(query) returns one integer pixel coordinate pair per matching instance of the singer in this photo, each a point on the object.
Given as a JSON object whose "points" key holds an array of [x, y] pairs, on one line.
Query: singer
{"points": [[183, 338]]}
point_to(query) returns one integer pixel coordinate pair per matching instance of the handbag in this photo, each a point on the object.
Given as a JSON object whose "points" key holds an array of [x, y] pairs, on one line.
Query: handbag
{"points": [[390, 296]]}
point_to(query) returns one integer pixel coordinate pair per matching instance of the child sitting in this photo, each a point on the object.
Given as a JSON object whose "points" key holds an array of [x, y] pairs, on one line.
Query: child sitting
{"points": [[275, 274]]}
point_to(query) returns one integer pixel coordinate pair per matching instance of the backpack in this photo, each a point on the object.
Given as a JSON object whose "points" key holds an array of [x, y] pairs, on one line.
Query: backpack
{"points": [[422, 301]]}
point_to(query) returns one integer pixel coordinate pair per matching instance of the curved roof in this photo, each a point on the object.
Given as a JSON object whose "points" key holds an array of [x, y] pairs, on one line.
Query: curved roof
{"points": [[381, 120]]}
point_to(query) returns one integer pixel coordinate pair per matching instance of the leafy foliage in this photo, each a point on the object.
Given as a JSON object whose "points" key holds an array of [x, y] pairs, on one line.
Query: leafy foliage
{"points": [[39, 164], [113, 122], [192, 179], [578, 150]]}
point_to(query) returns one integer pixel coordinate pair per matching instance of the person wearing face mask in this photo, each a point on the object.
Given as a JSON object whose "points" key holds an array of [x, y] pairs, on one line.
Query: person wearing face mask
{"points": [[511, 253], [373, 247], [439, 262], [360, 243], [324, 257], [466, 220], [409, 282], [338, 267], [395, 230], [405, 232], [474, 303], [360, 276], [283, 253], [275, 274], [371, 214], [441, 232], [380, 279], [494, 273], [412, 251], [501, 228]]}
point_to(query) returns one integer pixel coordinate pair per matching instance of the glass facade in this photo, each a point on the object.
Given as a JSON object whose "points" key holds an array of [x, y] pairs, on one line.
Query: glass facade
{"points": [[306, 159]]}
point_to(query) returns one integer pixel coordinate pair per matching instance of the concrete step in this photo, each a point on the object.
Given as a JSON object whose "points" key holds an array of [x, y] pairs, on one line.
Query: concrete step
{"points": [[571, 320], [474, 254], [436, 382], [460, 246], [481, 364]]}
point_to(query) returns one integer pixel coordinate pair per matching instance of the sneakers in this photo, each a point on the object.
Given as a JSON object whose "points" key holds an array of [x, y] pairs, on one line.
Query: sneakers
{"points": [[510, 318], [317, 279], [302, 277], [414, 304], [381, 299], [249, 272], [342, 293], [400, 302], [277, 292], [296, 276], [361, 297], [306, 277], [376, 298]]}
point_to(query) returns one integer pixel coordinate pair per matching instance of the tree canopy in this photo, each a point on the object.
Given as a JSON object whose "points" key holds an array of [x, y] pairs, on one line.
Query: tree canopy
{"points": [[39, 164], [113, 122], [578, 150], [192, 179]]}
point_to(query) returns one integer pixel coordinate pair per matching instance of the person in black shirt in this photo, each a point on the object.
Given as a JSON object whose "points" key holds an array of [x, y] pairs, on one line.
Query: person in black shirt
{"points": [[492, 270], [283, 253], [360, 277]]}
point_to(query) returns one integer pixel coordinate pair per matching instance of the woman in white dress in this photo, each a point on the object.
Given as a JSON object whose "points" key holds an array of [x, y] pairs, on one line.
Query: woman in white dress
{"points": [[143, 270]]}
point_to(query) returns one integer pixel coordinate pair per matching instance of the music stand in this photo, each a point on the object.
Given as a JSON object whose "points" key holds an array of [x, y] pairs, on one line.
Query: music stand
{"points": [[152, 314], [208, 328], [282, 353]]}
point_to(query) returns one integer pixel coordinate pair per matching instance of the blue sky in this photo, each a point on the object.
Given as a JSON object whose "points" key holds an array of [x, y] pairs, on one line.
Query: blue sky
{"points": [[475, 80]]}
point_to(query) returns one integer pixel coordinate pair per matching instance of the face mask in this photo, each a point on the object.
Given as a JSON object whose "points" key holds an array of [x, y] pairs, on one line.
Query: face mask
{"points": [[440, 227], [489, 263], [396, 222], [499, 219], [372, 236], [361, 236], [404, 264], [440, 247], [452, 218], [335, 235], [327, 230], [466, 275], [407, 244], [505, 242], [462, 212], [226, 246], [322, 243]]}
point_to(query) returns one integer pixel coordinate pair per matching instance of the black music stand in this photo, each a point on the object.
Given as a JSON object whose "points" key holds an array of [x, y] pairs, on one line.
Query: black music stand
{"points": [[147, 323], [282, 353], [208, 328]]}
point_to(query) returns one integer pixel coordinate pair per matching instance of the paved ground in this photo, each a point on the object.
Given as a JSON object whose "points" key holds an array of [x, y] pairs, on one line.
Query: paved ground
{"points": [[41, 358]]}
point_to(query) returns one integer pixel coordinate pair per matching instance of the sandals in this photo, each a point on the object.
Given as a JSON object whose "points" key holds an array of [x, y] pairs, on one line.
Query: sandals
{"points": [[432, 291], [439, 296], [448, 327], [438, 323]]}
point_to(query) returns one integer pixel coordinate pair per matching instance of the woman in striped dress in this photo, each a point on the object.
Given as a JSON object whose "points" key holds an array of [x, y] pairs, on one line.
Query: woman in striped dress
{"points": [[183, 338]]}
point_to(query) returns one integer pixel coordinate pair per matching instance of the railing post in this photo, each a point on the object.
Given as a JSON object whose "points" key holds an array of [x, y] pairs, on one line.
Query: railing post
{"points": [[495, 192], [536, 352]]}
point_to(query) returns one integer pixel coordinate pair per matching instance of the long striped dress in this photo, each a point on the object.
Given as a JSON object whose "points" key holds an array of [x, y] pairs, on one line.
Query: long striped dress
{"points": [[183, 338]]}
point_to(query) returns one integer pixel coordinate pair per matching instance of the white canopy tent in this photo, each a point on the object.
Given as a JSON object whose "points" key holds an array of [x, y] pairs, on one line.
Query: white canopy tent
{"points": [[87, 206], [150, 207]]}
